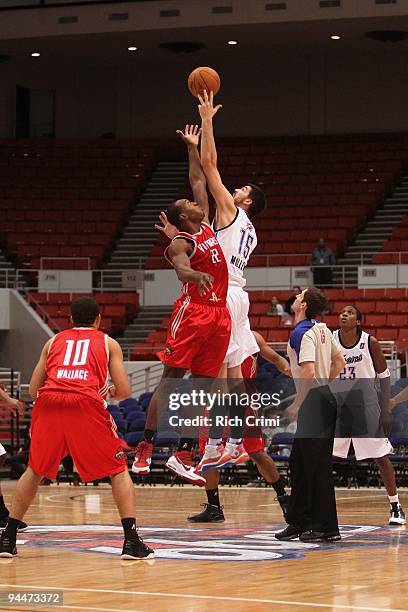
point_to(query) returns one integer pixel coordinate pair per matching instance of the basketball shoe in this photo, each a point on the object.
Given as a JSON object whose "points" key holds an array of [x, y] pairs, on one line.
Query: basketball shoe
{"points": [[181, 463], [397, 514], [143, 458], [3, 522], [214, 457], [210, 514], [135, 549], [8, 546], [238, 454]]}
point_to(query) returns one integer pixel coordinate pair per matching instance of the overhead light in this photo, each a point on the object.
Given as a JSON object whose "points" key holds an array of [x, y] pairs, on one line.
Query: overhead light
{"points": [[35, 54], [132, 48], [232, 42], [335, 37]]}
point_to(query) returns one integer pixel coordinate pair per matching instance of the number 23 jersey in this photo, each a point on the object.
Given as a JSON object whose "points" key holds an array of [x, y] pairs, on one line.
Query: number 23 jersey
{"points": [[237, 240], [77, 362], [359, 363]]}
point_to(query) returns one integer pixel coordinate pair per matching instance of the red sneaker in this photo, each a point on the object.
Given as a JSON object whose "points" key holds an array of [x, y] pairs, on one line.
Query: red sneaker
{"points": [[143, 458]]}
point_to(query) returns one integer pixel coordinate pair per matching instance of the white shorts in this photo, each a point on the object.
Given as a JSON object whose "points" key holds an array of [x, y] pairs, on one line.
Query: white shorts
{"points": [[364, 448], [242, 342], [2, 450]]}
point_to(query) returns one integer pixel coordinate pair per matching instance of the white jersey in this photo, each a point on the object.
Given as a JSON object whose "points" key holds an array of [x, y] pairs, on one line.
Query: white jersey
{"points": [[359, 363], [237, 240]]}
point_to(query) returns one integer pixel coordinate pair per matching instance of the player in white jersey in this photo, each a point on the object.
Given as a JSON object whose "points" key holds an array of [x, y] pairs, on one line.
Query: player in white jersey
{"points": [[14, 406], [365, 362], [237, 236]]}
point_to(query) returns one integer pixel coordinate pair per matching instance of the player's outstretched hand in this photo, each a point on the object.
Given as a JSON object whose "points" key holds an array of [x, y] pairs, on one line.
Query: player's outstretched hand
{"points": [[206, 107], [283, 366], [167, 228], [205, 283], [16, 406], [191, 134]]}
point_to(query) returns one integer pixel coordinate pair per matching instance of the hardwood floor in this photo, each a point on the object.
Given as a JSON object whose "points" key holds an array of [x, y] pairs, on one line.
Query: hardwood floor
{"points": [[74, 540]]}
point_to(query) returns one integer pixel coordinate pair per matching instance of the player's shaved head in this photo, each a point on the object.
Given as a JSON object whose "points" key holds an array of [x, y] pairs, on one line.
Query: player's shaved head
{"points": [[84, 311], [173, 212]]}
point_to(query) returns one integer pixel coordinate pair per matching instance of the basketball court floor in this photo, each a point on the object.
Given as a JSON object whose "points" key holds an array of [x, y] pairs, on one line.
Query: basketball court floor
{"points": [[74, 541]]}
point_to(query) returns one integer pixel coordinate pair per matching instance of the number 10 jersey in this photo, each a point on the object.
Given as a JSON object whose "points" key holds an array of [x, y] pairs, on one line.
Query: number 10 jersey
{"points": [[77, 362]]}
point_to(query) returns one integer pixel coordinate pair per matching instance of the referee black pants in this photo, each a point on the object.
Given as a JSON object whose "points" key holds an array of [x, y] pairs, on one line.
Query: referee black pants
{"points": [[312, 503]]}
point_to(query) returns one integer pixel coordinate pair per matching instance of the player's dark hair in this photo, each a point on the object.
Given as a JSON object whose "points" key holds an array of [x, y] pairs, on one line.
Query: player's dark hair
{"points": [[84, 311], [173, 213], [258, 203], [316, 302]]}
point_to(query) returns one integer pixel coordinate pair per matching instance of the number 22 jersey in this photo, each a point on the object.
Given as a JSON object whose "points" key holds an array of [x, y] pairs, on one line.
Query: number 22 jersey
{"points": [[77, 362]]}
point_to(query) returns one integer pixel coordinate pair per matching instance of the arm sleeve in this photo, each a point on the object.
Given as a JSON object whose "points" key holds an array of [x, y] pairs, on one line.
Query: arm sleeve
{"points": [[307, 348]]}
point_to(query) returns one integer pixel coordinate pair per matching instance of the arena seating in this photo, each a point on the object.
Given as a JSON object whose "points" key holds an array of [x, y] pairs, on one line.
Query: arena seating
{"points": [[117, 309], [66, 198], [324, 187], [385, 316], [398, 241]]}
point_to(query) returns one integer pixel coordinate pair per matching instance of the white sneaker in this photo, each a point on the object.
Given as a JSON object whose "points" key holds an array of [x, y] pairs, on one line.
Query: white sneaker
{"points": [[214, 457], [237, 452], [187, 472]]}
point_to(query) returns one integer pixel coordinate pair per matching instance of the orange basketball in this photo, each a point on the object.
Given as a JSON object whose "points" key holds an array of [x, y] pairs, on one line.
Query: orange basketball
{"points": [[204, 78]]}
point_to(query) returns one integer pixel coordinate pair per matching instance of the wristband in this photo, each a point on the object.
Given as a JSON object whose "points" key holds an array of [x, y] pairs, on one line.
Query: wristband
{"points": [[385, 374]]}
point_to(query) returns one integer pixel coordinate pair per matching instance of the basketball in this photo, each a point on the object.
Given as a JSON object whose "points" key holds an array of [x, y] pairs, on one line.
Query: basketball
{"points": [[204, 78]]}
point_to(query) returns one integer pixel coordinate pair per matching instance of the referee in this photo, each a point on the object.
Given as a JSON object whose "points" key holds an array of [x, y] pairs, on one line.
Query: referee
{"points": [[315, 358]]}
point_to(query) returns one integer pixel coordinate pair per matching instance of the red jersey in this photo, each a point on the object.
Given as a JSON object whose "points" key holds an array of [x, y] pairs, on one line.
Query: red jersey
{"points": [[77, 362], [207, 257]]}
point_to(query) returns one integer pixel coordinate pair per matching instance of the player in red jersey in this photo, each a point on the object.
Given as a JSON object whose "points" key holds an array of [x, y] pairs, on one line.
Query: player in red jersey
{"points": [[70, 382], [253, 443], [199, 330]]}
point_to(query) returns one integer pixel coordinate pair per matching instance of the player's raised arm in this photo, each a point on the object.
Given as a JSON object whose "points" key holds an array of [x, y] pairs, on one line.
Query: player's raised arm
{"points": [[117, 371], [223, 199], [198, 183], [178, 253], [39, 375]]}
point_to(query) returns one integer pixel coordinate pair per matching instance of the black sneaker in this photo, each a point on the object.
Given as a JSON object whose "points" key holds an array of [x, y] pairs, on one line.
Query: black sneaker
{"points": [[284, 502], [290, 533], [3, 522], [210, 514], [136, 549], [397, 514], [320, 536], [8, 546]]}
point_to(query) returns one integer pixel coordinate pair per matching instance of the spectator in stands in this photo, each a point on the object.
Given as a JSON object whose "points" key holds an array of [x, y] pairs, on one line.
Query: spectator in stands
{"points": [[321, 262], [275, 309], [288, 305]]}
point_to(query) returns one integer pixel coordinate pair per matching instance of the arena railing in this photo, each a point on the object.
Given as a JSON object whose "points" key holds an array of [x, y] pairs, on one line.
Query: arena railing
{"points": [[343, 276]]}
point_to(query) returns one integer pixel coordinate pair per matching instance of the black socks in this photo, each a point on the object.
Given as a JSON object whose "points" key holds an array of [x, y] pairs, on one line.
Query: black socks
{"points": [[213, 497]]}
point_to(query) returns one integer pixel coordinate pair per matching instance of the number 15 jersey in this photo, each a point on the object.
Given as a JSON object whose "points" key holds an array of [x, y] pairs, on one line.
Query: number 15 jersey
{"points": [[237, 240], [77, 362]]}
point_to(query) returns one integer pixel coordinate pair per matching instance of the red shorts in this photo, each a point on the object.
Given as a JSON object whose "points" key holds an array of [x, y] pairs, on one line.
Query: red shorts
{"points": [[197, 338], [70, 423]]}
